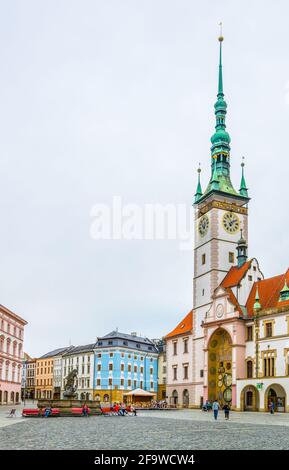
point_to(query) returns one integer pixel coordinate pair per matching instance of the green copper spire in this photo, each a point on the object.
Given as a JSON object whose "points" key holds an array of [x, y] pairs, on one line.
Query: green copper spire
{"points": [[257, 305], [284, 293], [220, 149], [243, 187], [199, 191], [214, 180]]}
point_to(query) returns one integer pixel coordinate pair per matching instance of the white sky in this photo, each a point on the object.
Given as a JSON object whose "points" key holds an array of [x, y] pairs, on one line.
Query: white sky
{"points": [[103, 98]]}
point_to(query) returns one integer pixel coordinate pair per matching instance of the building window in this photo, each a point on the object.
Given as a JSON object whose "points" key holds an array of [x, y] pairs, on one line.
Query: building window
{"points": [[111, 366], [99, 355], [185, 345], [129, 383], [122, 367], [134, 384], [175, 348], [110, 382], [269, 365], [249, 333], [98, 382], [204, 259], [152, 385], [250, 278], [249, 369], [175, 373], [186, 371], [231, 257], [268, 330], [110, 354], [201, 373], [254, 268], [135, 368], [203, 292], [121, 382]]}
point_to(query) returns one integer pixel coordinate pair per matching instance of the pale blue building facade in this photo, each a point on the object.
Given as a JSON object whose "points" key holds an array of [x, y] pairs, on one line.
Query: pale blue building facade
{"points": [[124, 362]]}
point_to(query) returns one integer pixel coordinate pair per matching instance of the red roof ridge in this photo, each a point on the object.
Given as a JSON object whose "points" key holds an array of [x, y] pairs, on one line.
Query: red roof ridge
{"points": [[269, 292], [184, 326], [235, 275]]}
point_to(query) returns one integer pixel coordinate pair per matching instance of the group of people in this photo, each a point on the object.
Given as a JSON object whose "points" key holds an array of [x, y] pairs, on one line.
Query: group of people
{"points": [[215, 406], [159, 404], [122, 409]]}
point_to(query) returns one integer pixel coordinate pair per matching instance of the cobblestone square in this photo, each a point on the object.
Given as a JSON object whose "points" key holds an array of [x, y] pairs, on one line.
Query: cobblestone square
{"points": [[150, 430]]}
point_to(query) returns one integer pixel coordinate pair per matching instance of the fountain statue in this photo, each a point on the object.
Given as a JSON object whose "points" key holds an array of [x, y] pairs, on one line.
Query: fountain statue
{"points": [[70, 384]]}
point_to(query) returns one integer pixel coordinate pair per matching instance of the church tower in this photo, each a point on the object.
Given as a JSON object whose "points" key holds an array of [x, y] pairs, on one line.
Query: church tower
{"points": [[220, 212]]}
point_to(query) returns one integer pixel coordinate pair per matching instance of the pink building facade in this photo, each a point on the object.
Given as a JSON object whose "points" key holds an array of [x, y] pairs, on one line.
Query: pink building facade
{"points": [[11, 356]]}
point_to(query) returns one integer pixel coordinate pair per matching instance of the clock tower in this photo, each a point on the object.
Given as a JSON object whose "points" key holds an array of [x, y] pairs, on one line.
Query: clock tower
{"points": [[220, 213]]}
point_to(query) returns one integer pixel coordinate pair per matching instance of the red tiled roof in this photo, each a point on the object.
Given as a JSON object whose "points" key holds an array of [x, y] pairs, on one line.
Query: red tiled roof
{"points": [[233, 299], [235, 275], [269, 293], [185, 326]]}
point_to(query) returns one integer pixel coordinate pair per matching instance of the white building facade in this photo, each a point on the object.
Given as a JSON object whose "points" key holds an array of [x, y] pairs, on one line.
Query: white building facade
{"points": [[81, 359]]}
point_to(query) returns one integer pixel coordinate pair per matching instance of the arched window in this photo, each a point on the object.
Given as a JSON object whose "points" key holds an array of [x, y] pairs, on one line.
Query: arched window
{"points": [[249, 369]]}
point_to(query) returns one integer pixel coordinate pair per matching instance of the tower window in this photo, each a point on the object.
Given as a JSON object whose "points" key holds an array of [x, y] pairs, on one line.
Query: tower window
{"points": [[231, 257], [249, 333], [250, 278], [203, 292], [204, 259]]}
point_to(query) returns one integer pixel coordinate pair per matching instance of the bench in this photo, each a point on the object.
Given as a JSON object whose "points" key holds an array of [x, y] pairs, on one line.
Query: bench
{"points": [[26, 412], [54, 412], [78, 411], [29, 412]]}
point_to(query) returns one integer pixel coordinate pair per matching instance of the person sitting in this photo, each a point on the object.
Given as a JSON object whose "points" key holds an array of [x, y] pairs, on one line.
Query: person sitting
{"points": [[85, 410], [133, 410], [48, 411]]}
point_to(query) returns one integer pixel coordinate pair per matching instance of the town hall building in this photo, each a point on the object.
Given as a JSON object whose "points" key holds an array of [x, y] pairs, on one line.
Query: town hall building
{"points": [[234, 344]]}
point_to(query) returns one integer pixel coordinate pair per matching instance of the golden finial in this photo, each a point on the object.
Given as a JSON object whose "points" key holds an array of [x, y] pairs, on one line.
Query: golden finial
{"points": [[221, 38]]}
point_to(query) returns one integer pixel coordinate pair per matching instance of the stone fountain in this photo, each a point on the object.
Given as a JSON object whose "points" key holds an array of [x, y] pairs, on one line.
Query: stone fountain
{"points": [[69, 399]]}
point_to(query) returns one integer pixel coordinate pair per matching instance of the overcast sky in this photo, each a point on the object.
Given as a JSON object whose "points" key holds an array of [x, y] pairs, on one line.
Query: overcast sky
{"points": [[100, 98]]}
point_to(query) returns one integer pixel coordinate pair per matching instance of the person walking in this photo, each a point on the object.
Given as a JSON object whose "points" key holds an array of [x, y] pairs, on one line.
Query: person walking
{"points": [[216, 408], [271, 407], [226, 409]]}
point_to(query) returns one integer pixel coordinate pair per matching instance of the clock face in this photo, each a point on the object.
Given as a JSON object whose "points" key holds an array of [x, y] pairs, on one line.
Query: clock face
{"points": [[231, 222], [203, 225], [228, 395], [227, 380], [220, 311]]}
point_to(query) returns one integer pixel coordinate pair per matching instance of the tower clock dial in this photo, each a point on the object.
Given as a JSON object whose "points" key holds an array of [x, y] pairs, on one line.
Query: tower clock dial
{"points": [[231, 222], [203, 225]]}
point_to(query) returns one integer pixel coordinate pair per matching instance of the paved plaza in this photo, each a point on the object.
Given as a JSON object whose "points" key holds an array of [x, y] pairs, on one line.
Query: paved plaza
{"points": [[150, 430]]}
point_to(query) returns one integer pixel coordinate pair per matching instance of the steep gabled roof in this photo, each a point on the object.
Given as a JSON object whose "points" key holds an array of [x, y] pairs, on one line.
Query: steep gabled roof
{"points": [[235, 275], [80, 349], [185, 326], [55, 352], [269, 293]]}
